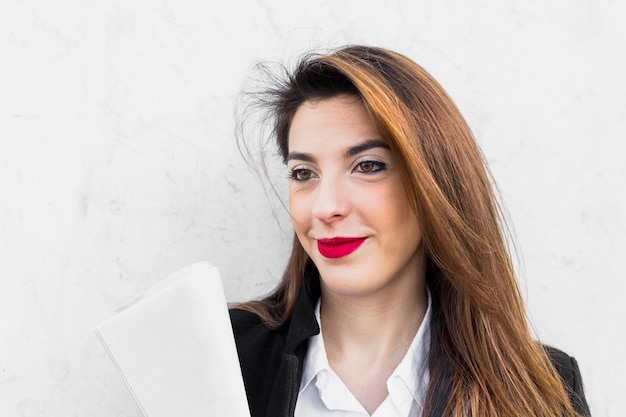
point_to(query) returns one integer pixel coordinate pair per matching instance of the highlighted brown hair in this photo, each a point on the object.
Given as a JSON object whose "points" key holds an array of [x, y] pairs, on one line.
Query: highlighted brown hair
{"points": [[480, 334]]}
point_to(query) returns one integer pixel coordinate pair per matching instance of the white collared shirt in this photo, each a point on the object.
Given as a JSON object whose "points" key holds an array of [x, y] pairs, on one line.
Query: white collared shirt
{"points": [[323, 394]]}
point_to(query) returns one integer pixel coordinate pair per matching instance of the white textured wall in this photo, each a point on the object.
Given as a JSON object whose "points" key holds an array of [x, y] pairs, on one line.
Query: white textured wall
{"points": [[117, 164]]}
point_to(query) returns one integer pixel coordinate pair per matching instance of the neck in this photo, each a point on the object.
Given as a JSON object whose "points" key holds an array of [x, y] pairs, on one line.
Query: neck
{"points": [[372, 324], [366, 337]]}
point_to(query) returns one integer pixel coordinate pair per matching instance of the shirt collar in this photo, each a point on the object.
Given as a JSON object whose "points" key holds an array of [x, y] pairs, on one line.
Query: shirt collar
{"points": [[413, 372], [316, 360]]}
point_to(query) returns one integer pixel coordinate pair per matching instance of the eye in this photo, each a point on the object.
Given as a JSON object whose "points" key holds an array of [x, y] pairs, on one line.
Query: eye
{"points": [[301, 174], [369, 167]]}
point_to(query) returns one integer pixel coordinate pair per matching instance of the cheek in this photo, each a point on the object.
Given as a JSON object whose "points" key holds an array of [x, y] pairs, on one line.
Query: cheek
{"points": [[389, 200], [299, 210], [399, 214], [301, 220]]}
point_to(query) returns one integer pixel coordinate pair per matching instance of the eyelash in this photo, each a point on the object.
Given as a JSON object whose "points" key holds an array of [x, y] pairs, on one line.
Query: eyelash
{"points": [[377, 166], [295, 174]]}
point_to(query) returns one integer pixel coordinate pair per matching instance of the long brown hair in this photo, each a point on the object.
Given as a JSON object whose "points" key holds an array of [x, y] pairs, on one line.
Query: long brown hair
{"points": [[480, 332]]}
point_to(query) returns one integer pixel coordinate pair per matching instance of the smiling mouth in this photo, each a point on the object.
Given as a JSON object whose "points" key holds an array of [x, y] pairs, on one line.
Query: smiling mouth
{"points": [[339, 247]]}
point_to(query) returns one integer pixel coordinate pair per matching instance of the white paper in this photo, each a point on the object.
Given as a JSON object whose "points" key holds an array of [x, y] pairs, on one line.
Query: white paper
{"points": [[175, 348]]}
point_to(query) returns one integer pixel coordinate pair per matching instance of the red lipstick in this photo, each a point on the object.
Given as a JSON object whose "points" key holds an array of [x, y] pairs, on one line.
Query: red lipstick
{"points": [[338, 247]]}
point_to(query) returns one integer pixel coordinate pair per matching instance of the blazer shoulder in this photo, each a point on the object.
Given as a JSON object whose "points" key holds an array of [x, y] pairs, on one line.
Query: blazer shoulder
{"points": [[260, 351], [241, 317], [250, 330], [567, 368]]}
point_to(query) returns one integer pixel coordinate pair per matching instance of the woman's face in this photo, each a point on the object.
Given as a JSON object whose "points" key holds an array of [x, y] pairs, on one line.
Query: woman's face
{"points": [[347, 201]]}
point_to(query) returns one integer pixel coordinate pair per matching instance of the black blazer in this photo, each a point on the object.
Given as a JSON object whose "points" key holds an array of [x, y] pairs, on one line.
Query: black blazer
{"points": [[271, 360]]}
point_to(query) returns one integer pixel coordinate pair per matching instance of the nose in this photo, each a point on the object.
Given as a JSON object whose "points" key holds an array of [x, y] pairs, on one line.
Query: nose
{"points": [[331, 201]]}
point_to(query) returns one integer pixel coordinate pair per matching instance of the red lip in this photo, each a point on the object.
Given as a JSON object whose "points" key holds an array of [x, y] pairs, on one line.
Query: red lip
{"points": [[338, 247]]}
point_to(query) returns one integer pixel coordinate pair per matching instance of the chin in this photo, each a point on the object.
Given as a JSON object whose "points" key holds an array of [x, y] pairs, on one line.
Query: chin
{"points": [[350, 283]]}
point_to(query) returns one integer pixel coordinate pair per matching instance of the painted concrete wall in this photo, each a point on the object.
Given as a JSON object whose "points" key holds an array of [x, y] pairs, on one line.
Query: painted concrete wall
{"points": [[118, 164]]}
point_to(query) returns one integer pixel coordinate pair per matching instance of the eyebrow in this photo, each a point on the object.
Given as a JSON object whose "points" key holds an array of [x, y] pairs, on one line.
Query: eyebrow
{"points": [[351, 151], [365, 146]]}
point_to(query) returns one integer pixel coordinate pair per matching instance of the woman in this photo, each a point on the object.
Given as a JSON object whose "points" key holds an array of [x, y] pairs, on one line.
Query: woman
{"points": [[399, 297]]}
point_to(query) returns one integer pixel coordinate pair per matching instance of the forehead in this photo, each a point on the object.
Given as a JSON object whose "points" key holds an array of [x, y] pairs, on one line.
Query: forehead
{"points": [[341, 120]]}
